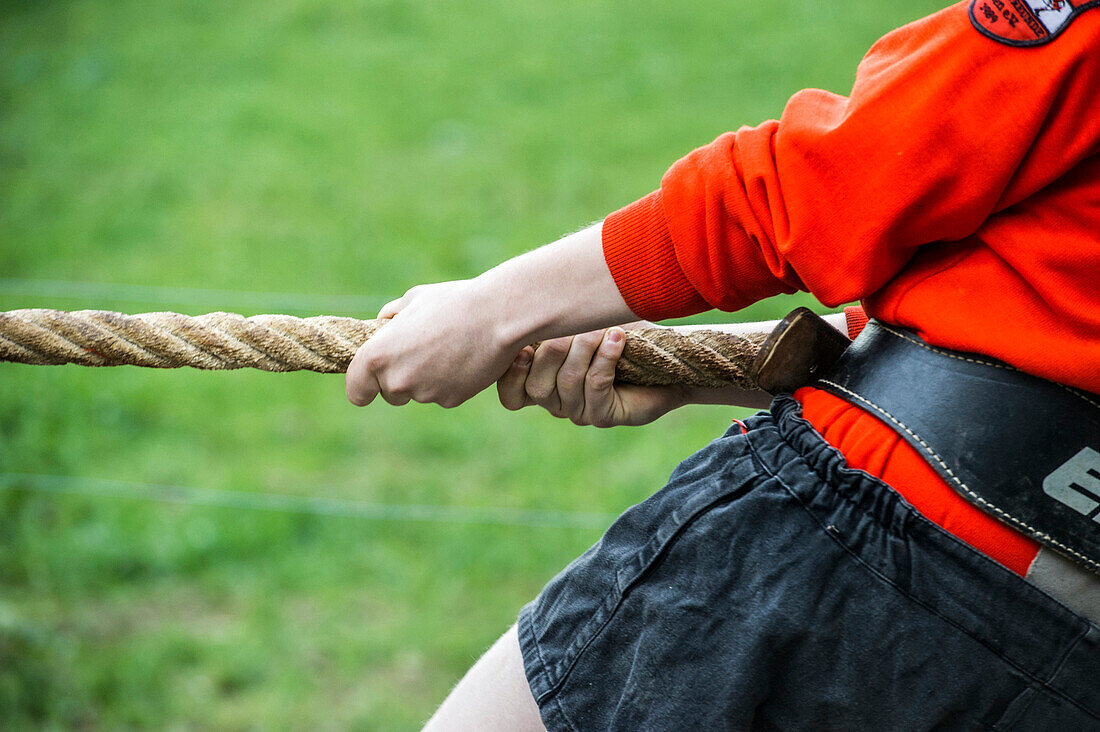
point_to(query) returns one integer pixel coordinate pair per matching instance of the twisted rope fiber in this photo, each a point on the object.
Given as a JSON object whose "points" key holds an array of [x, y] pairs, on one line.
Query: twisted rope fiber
{"points": [[325, 343]]}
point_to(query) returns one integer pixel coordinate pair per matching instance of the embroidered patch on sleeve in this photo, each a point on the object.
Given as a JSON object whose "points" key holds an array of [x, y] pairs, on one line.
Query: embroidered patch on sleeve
{"points": [[1026, 22]]}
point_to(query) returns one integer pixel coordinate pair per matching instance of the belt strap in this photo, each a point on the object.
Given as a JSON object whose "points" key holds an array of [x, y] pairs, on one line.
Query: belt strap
{"points": [[1021, 448]]}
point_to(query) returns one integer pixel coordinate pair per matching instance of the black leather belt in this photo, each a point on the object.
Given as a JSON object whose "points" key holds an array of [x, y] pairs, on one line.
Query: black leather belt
{"points": [[1020, 448]]}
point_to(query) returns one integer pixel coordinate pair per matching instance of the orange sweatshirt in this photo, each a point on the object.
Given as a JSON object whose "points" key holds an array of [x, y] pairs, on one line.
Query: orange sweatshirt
{"points": [[956, 191]]}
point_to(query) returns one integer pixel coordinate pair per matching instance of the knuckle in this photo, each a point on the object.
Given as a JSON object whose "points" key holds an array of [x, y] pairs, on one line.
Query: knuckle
{"points": [[571, 400], [399, 385], [372, 361], [599, 380], [558, 347], [539, 392], [569, 377], [591, 339]]}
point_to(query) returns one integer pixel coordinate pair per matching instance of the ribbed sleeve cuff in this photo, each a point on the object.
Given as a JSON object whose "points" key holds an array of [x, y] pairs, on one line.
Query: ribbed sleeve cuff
{"points": [[639, 252], [855, 318]]}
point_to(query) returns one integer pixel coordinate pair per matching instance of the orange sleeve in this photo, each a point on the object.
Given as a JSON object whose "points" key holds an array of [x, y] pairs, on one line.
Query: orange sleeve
{"points": [[944, 127]]}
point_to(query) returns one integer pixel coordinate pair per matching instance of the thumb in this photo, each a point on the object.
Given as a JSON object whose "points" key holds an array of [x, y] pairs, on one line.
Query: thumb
{"points": [[599, 395], [391, 308]]}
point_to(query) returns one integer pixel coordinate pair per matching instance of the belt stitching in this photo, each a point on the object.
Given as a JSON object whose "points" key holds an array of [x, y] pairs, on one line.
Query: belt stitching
{"points": [[957, 357]]}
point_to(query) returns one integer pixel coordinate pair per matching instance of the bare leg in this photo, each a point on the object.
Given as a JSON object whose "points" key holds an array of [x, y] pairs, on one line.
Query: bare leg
{"points": [[493, 695]]}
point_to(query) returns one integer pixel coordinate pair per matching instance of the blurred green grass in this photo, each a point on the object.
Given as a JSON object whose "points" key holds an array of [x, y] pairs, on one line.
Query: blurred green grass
{"points": [[327, 149]]}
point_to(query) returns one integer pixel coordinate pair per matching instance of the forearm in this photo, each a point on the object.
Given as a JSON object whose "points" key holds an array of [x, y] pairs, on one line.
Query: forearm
{"points": [[566, 287], [558, 289]]}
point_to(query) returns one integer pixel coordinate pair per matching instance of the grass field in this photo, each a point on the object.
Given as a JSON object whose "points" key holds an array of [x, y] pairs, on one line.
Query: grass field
{"points": [[326, 149]]}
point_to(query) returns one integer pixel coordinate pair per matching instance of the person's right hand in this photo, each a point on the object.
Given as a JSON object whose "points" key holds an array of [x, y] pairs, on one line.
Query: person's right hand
{"points": [[574, 378]]}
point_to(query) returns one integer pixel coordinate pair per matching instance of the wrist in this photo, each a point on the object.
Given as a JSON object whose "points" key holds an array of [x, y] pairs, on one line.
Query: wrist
{"points": [[559, 289], [486, 305], [509, 317]]}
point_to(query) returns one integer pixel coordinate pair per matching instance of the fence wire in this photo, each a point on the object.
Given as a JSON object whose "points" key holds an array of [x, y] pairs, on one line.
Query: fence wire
{"points": [[289, 503]]}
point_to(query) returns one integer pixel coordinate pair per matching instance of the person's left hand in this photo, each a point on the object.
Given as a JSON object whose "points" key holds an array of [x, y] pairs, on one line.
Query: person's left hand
{"points": [[443, 343], [574, 378]]}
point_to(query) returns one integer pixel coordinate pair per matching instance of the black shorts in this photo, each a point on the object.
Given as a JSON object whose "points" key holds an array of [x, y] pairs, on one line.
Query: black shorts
{"points": [[768, 586]]}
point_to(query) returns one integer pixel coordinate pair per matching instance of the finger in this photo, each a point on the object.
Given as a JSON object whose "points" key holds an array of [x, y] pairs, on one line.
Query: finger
{"points": [[392, 308], [360, 384], [599, 394], [571, 375], [395, 397], [510, 386], [541, 384]]}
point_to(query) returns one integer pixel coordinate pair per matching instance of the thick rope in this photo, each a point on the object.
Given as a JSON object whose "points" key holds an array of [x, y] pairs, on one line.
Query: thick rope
{"points": [[324, 343]]}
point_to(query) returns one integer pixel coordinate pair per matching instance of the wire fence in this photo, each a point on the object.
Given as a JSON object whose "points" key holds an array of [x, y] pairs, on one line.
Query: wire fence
{"points": [[289, 503], [93, 294]]}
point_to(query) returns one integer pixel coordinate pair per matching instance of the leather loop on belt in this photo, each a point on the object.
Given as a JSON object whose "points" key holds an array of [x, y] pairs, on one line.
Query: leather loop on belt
{"points": [[1023, 449]]}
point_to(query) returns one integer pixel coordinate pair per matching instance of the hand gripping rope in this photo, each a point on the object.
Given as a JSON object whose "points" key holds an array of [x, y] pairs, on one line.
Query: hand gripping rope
{"points": [[325, 343]]}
